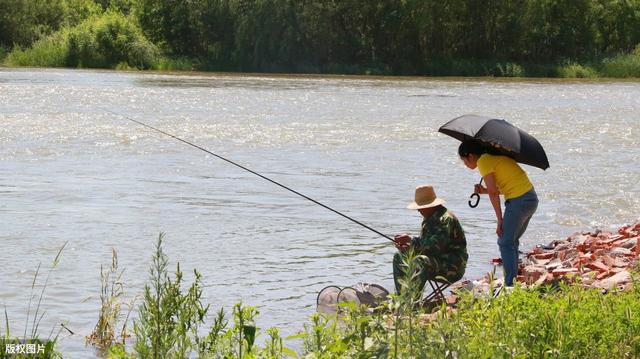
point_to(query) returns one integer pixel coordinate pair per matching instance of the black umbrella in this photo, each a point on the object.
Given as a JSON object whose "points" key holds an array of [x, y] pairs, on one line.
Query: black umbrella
{"points": [[503, 137]]}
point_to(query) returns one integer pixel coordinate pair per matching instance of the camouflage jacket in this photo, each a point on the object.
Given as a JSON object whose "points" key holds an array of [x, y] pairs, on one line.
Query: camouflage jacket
{"points": [[442, 240]]}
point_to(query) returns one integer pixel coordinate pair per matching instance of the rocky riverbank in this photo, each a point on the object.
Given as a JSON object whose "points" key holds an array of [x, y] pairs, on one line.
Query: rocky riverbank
{"points": [[596, 259]]}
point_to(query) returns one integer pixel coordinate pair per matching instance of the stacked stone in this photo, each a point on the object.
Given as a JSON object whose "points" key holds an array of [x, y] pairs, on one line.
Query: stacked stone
{"points": [[600, 259], [597, 259]]}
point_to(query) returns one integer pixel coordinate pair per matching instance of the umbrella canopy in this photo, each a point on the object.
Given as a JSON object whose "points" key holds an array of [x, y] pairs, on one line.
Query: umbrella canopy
{"points": [[506, 138]]}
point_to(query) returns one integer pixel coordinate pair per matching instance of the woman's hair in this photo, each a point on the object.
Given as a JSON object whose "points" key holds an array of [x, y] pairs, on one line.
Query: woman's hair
{"points": [[470, 146]]}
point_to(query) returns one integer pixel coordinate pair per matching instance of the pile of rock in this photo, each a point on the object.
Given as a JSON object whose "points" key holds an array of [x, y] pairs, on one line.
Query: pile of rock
{"points": [[601, 259], [598, 259]]}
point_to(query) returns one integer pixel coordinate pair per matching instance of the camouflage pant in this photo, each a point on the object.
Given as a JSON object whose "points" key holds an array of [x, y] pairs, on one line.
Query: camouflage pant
{"points": [[430, 269]]}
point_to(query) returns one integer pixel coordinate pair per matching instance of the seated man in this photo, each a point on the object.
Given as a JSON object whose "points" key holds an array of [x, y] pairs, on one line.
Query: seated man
{"points": [[441, 241]]}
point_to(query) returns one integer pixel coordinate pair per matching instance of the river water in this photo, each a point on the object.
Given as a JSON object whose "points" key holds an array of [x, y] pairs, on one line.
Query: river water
{"points": [[70, 171]]}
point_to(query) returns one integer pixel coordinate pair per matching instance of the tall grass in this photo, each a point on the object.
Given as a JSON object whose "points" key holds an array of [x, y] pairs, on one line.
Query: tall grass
{"points": [[567, 322], [110, 328], [563, 322], [171, 321], [622, 66], [31, 334], [164, 63], [574, 70]]}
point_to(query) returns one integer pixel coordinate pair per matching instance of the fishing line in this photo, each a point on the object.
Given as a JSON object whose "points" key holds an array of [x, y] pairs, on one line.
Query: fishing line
{"points": [[249, 170]]}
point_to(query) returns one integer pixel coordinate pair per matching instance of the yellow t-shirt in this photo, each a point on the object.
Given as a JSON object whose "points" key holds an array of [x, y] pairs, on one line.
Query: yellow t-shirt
{"points": [[511, 180]]}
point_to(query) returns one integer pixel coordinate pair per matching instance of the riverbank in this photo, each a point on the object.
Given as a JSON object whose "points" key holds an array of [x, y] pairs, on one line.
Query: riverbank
{"points": [[601, 260], [559, 316], [47, 55], [414, 38]]}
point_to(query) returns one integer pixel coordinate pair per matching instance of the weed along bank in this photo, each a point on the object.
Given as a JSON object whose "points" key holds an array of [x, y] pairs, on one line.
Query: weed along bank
{"points": [[556, 310]]}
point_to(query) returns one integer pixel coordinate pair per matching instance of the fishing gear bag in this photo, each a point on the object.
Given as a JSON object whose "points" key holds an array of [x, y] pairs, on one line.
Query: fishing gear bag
{"points": [[367, 294]]}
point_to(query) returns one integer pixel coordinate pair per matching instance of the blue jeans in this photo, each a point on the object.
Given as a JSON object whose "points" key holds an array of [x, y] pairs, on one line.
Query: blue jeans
{"points": [[517, 213]]}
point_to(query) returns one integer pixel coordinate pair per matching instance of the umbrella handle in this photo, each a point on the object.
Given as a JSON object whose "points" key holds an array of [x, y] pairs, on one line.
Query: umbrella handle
{"points": [[476, 196]]}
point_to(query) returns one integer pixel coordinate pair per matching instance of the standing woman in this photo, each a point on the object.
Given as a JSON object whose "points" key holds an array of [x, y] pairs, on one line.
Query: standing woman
{"points": [[503, 176]]}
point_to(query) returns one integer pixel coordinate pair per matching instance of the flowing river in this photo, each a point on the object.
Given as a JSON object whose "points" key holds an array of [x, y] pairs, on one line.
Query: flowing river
{"points": [[70, 171]]}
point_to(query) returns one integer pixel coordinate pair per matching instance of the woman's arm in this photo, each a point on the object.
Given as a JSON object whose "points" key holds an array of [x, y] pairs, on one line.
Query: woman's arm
{"points": [[494, 196]]}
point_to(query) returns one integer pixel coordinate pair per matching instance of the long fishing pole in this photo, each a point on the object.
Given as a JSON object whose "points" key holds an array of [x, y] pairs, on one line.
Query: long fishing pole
{"points": [[249, 170]]}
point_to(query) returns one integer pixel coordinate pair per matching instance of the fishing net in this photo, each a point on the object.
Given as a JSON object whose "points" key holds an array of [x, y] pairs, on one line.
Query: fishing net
{"points": [[367, 294]]}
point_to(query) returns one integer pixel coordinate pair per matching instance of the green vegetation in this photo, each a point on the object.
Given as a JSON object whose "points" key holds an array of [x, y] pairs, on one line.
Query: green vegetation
{"points": [[623, 65], [168, 318], [169, 322], [50, 51], [106, 40], [3, 53], [567, 322], [12, 346], [563, 321], [105, 335], [552, 38]]}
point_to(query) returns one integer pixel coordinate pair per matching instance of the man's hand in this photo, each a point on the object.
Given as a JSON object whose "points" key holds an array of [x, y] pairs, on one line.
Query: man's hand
{"points": [[402, 241]]}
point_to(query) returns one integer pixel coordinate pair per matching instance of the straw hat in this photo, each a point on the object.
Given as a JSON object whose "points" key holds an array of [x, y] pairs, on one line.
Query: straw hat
{"points": [[425, 198]]}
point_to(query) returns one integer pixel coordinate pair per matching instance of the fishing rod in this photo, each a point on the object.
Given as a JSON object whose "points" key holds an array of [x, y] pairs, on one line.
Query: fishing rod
{"points": [[249, 170]]}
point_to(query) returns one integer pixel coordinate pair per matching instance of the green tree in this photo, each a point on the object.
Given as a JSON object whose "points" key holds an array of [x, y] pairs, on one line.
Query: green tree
{"points": [[22, 22], [268, 36], [171, 24], [618, 26]]}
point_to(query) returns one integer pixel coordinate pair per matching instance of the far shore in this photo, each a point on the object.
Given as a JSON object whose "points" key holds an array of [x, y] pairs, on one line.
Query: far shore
{"points": [[336, 76]]}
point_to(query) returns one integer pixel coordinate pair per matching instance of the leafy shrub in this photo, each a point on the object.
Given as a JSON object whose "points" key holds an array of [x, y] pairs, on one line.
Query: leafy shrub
{"points": [[107, 41], [622, 65], [50, 51], [99, 42], [576, 71], [77, 11], [169, 320], [168, 317], [565, 322], [23, 22], [175, 64], [509, 69]]}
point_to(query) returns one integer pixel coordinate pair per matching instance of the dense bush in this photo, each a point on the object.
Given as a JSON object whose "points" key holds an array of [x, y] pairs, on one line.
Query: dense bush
{"points": [[574, 70], [23, 22], [50, 51], [170, 317], [622, 65], [106, 41]]}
